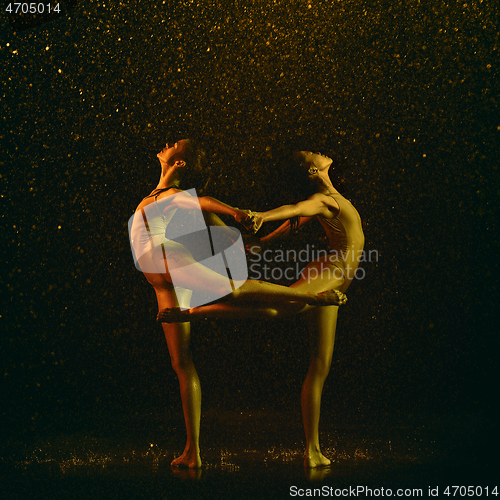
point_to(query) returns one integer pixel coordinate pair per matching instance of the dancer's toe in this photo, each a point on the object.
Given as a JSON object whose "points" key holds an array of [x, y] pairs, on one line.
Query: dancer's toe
{"points": [[331, 298], [316, 460], [187, 461]]}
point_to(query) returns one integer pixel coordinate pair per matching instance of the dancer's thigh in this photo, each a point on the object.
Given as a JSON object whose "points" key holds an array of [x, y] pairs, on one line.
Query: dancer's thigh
{"points": [[189, 273], [320, 275]]}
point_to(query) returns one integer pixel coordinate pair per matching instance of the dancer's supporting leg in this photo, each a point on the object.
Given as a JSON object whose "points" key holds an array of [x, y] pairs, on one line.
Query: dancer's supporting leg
{"points": [[320, 274], [322, 322], [178, 336]]}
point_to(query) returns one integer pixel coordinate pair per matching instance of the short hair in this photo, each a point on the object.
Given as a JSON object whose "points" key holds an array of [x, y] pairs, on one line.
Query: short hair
{"points": [[194, 174], [195, 156]]}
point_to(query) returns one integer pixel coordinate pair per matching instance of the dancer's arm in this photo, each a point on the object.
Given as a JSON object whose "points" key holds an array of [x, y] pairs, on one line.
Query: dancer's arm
{"points": [[209, 204], [206, 203], [317, 204], [284, 229]]}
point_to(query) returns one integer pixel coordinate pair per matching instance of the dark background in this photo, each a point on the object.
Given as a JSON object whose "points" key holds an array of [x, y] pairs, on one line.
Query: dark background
{"points": [[404, 96]]}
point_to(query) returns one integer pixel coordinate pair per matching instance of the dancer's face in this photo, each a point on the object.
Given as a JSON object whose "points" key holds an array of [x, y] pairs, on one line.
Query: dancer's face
{"points": [[309, 159], [174, 151]]}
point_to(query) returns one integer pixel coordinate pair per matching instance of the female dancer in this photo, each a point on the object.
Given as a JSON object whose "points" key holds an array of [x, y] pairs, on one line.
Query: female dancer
{"points": [[342, 225], [157, 257]]}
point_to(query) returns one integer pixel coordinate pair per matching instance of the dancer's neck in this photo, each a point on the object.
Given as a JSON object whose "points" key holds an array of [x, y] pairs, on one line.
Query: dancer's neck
{"points": [[168, 178], [324, 185]]}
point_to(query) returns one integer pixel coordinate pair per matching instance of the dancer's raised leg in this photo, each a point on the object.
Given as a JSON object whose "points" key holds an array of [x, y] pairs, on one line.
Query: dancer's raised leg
{"points": [[232, 310], [259, 299], [194, 276], [264, 292]]}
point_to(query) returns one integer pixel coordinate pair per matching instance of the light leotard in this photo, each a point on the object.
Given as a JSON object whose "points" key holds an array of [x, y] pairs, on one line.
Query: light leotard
{"points": [[151, 247]]}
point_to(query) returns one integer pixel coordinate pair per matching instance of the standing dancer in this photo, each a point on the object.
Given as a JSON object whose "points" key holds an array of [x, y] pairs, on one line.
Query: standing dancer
{"points": [[180, 163]]}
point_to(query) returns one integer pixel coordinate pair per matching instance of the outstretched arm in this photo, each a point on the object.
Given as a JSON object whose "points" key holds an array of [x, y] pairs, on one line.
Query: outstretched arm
{"points": [[206, 203], [315, 205], [284, 229], [209, 204]]}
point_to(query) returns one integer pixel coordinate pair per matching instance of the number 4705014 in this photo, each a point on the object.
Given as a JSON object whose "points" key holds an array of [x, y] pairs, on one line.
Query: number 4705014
{"points": [[470, 491], [32, 8]]}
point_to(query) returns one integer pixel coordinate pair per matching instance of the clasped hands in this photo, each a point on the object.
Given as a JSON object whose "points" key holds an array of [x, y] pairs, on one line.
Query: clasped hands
{"points": [[250, 220]]}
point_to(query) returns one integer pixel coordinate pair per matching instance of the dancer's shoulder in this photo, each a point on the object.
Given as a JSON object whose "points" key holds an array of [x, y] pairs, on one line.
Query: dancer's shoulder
{"points": [[328, 202]]}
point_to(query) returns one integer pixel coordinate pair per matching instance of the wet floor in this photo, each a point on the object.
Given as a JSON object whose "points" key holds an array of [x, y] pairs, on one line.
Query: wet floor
{"points": [[255, 455]]}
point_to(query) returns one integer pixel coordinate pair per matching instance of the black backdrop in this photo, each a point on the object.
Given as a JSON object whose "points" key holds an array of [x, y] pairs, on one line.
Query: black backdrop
{"points": [[404, 96]]}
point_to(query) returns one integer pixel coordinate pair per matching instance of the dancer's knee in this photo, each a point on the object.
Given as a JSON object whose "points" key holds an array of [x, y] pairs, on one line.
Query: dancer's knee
{"points": [[182, 365], [320, 366], [270, 312]]}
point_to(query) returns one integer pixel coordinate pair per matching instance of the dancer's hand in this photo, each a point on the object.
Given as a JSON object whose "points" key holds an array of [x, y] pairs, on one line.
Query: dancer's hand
{"points": [[257, 220]]}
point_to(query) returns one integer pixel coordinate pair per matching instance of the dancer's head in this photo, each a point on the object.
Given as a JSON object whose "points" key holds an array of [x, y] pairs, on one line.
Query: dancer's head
{"points": [[314, 164], [185, 158], [174, 154], [307, 170]]}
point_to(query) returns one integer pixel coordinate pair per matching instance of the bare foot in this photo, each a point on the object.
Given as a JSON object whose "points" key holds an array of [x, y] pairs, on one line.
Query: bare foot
{"points": [[188, 460], [195, 474], [331, 298], [172, 315], [316, 459]]}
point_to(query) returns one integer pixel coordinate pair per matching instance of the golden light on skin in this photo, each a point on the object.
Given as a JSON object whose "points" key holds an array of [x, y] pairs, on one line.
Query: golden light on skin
{"points": [[309, 158], [173, 150]]}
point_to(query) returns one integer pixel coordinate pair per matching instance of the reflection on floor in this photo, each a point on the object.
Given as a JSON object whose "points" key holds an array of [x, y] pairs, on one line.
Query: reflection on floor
{"points": [[254, 454]]}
